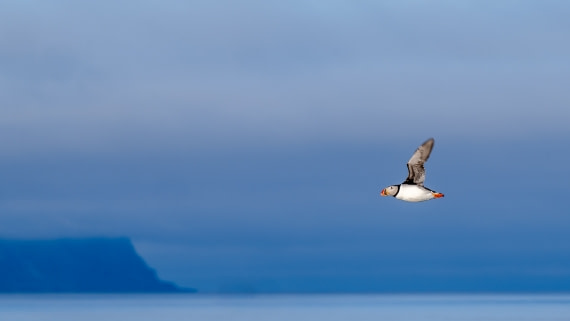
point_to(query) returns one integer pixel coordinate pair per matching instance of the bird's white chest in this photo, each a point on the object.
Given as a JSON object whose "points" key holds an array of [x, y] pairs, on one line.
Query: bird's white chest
{"points": [[414, 193]]}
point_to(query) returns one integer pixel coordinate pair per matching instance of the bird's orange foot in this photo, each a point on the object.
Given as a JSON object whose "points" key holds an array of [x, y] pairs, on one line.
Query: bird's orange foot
{"points": [[438, 195]]}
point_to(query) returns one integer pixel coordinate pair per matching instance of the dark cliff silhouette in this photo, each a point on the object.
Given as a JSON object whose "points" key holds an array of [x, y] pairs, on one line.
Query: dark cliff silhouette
{"points": [[95, 265]]}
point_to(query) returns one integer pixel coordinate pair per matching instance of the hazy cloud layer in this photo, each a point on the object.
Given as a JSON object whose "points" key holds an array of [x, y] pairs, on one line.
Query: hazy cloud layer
{"points": [[296, 216], [95, 75]]}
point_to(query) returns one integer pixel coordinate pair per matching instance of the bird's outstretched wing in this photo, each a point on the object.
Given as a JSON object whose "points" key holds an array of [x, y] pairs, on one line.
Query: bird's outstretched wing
{"points": [[416, 171]]}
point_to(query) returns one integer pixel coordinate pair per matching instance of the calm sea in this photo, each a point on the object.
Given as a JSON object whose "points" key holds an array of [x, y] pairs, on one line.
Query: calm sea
{"points": [[284, 307]]}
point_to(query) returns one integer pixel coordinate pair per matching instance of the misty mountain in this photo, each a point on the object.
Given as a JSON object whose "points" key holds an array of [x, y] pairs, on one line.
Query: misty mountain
{"points": [[94, 265]]}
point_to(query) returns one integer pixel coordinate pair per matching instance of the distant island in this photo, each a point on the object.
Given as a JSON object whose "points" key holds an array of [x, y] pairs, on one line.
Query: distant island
{"points": [[93, 265]]}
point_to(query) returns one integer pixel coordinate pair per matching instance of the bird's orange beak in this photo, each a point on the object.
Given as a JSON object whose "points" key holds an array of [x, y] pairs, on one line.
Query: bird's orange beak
{"points": [[383, 192]]}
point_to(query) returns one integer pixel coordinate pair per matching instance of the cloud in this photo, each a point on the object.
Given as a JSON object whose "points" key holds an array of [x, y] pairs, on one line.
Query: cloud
{"points": [[298, 214], [95, 76]]}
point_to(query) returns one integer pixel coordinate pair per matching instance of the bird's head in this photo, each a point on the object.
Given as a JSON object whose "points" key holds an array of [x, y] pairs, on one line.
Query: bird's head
{"points": [[389, 191]]}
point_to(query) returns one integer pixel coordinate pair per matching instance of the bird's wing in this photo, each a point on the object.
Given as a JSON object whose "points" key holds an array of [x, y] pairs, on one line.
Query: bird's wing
{"points": [[416, 171]]}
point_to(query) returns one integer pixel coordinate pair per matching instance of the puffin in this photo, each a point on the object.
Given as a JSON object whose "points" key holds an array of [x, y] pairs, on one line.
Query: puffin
{"points": [[413, 189]]}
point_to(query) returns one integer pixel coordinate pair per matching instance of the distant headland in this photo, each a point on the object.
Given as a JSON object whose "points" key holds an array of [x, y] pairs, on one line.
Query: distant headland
{"points": [[92, 265]]}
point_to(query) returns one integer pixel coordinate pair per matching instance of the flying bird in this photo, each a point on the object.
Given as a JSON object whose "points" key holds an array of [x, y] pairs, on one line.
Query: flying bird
{"points": [[413, 189]]}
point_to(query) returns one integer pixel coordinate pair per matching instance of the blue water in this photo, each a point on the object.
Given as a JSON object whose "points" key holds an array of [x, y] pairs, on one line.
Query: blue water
{"points": [[284, 307]]}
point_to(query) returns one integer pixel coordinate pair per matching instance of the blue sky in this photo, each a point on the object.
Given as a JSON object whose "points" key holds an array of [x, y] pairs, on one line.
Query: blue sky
{"points": [[242, 146]]}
